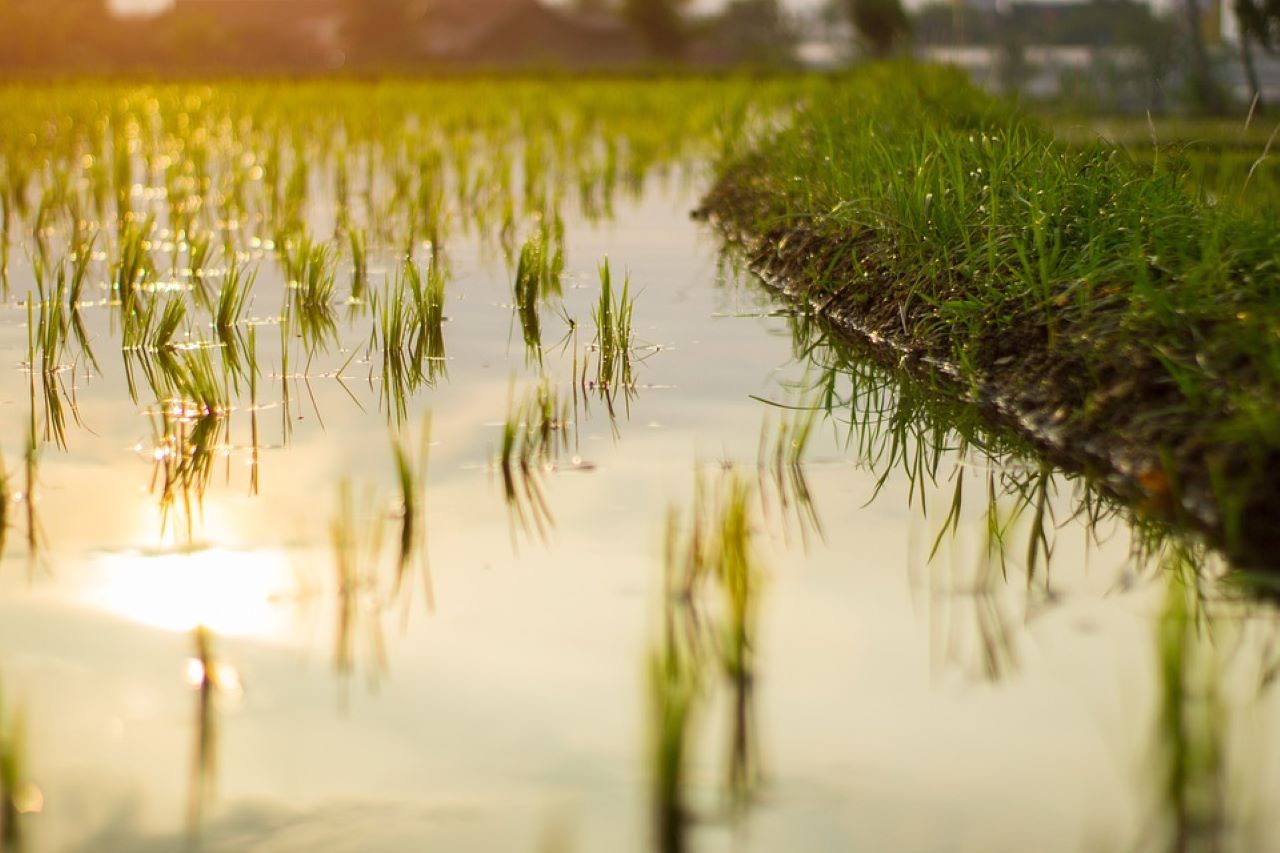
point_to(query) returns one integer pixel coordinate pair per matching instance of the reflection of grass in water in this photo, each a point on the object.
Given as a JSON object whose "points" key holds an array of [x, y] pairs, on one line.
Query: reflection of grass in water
{"points": [[534, 435], [6, 506], [780, 464], [358, 241], [202, 675], [1191, 724], [675, 683], [184, 450], [16, 793], [411, 476], [356, 545], [715, 546], [211, 678], [190, 422]]}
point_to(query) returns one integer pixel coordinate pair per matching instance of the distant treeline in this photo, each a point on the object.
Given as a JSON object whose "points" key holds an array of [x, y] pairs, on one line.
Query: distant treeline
{"points": [[79, 37]]}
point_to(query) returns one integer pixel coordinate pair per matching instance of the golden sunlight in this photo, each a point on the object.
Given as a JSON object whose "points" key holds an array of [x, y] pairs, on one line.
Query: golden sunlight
{"points": [[231, 593]]}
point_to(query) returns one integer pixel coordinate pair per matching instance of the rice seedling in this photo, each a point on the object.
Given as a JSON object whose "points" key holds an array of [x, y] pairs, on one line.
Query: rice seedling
{"points": [[613, 339], [527, 292], [81, 259], [134, 265], [410, 334], [428, 305], [199, 257], [228, 313], [47, 337], [310, 272]]}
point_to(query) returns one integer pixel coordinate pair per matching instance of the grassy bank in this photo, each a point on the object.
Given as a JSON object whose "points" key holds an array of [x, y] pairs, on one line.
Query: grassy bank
{"points": [[1108, 300]]}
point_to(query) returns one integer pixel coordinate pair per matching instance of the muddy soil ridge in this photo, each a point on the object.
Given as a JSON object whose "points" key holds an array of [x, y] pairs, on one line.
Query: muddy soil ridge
{"points": [[1109, 426]]}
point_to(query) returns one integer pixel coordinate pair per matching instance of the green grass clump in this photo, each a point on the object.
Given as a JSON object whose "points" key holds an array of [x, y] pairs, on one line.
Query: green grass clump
{"points": [[612, 315], [1105, 294]]}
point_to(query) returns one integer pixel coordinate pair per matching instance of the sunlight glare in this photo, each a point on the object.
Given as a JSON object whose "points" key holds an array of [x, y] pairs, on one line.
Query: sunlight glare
{"points": [[230, 593]]}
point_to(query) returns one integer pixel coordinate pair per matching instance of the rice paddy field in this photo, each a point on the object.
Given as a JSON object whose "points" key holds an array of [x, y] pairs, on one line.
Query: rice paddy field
{"points": [[392, 466]]}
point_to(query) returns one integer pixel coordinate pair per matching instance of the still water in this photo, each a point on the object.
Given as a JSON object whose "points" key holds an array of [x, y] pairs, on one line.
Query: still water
{"points": [[230, 662]]}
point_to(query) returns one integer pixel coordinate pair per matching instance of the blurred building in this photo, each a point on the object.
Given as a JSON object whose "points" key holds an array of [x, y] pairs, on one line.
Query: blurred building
{"points": [[321, 34], [252, 34], [522, 33]]}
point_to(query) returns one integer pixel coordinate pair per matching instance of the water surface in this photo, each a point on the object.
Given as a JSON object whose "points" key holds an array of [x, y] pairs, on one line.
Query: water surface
{"points": [[192, 668]]}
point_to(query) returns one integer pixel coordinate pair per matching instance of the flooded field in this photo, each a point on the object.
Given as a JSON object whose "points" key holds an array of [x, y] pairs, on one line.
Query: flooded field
{"points": [[401, 466]]}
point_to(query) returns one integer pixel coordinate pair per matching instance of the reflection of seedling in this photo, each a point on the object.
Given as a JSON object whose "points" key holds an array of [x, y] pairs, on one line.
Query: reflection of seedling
{"points": [[6, 505], [675, 691], [18, 795], [781, 465], [715, 546], [1190, 733], [411, 475], [209, 677], [358, 240], [31, 466], [355, 552], [202, 675], [534, 435], [183, 454]]}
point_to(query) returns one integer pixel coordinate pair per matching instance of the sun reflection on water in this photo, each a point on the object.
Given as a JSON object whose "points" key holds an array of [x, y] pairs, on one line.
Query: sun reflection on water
{"points": [[232, 593]]}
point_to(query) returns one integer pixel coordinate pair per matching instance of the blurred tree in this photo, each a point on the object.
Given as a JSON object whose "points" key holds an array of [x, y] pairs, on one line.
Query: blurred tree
{"points": [[660, 24], [63, 36], [756, 31], [595, 7], [1206, 92], [880, 24], [381, 32], [1011, 66], [1259, 23]]}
